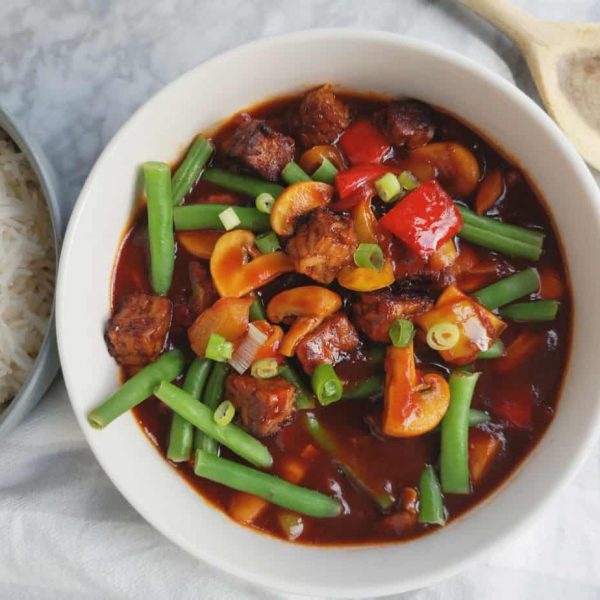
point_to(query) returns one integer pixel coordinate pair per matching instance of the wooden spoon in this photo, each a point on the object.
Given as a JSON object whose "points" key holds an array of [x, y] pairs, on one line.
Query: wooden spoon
{"points": [[564, 59]]}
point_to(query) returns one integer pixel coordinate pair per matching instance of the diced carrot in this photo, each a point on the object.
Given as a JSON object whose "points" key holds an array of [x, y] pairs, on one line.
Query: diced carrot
{"points": [[309, 452], [293, 469], [483, 449], [246, 508], [516, 408], [490, 190], [519, 351], [551, 284]]}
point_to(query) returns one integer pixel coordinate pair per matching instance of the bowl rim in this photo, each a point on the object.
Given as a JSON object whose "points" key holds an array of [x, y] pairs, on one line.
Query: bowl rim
{"points": [[46, 364], [522, 519]]}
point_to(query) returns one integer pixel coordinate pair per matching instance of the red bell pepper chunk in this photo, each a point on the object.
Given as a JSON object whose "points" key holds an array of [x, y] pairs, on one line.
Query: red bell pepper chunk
{"points": [[425, 219], [356, 183], [516, 408], [362, 142]]}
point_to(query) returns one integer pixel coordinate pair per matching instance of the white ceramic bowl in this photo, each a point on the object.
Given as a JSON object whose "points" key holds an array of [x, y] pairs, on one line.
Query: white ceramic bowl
{"points": [[364, 61]]}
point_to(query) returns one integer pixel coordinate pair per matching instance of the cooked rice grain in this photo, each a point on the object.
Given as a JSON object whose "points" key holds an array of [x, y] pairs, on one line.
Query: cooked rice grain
{"points": [[27, 269]]}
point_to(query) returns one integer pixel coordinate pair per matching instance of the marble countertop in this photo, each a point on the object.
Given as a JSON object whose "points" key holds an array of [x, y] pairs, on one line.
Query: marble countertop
{"points": [[73, 71]]}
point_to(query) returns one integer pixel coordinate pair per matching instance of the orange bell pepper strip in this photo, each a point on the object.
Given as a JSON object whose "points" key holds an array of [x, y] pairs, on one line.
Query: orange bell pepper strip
{"points": [[228, 317], [362, 279], [235, 273], [491, 189], [414, 403], [478, 327], [518, 351], [551, 284], [483, 449]]}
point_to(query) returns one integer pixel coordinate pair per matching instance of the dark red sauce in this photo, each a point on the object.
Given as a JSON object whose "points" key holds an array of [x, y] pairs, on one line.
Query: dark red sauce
{"points": [[393, 463]]}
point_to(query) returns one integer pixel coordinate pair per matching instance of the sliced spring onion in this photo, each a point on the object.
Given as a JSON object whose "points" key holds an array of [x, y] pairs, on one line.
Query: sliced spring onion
{"points": [[246, 351], [218, 348], [265, 368], [264, 203], [326, 384], [369, 256], [229, 219], [523, 312], [388, 187], [401, 332], [293, 173], [267, 242], [408, 181], [326, 172], [443, 336], [224, 413]]}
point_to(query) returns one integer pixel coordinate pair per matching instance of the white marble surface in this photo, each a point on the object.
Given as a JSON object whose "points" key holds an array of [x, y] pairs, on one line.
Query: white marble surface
{"points": [[73, 71]]}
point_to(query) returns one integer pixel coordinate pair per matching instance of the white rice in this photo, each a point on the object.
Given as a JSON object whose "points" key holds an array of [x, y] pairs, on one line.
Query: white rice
{"points": [[27, 265]]}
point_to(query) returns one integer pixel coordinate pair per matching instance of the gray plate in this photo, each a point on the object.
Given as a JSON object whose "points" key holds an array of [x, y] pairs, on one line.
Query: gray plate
{"points": [[46, 365]]}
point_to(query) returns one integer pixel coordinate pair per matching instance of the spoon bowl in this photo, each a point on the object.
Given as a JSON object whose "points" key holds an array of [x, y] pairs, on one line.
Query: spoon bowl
{"points": [[564, 60]]}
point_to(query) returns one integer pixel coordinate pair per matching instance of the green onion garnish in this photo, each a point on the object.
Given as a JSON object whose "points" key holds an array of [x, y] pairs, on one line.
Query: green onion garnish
{"points": [[267, 242], [264, 203], [229, 219], [369, 256], [224, 413], [401, 332], [443, 336], [293, 173], [408, 181], [326, 384], [326, 172], [265, 368], [218, 348], [388, 188]]}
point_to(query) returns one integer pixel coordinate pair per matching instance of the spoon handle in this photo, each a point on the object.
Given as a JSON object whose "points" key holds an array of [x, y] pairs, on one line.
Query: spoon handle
{"points": [[521, 27]]}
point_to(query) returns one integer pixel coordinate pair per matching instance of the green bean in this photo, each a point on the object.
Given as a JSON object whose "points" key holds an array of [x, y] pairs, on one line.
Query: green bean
{"points": [[509, 289], [326, 384], [496, 350], [213, 396], [304, 398], [241, 184], [329, 444], [157, 178], [523, 312], [431, 501], [181, 435], [455, 434], [257, 310], [271, 488], [476, 417], [189, 170], [294, 173], [236, 439], [499, 243], [206, 216], [137, 389], [366, 388], [515, 232]]}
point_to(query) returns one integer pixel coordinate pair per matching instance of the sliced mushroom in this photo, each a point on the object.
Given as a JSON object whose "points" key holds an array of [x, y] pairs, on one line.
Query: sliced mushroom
{"points": [[235, 273], [297, 200]]}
